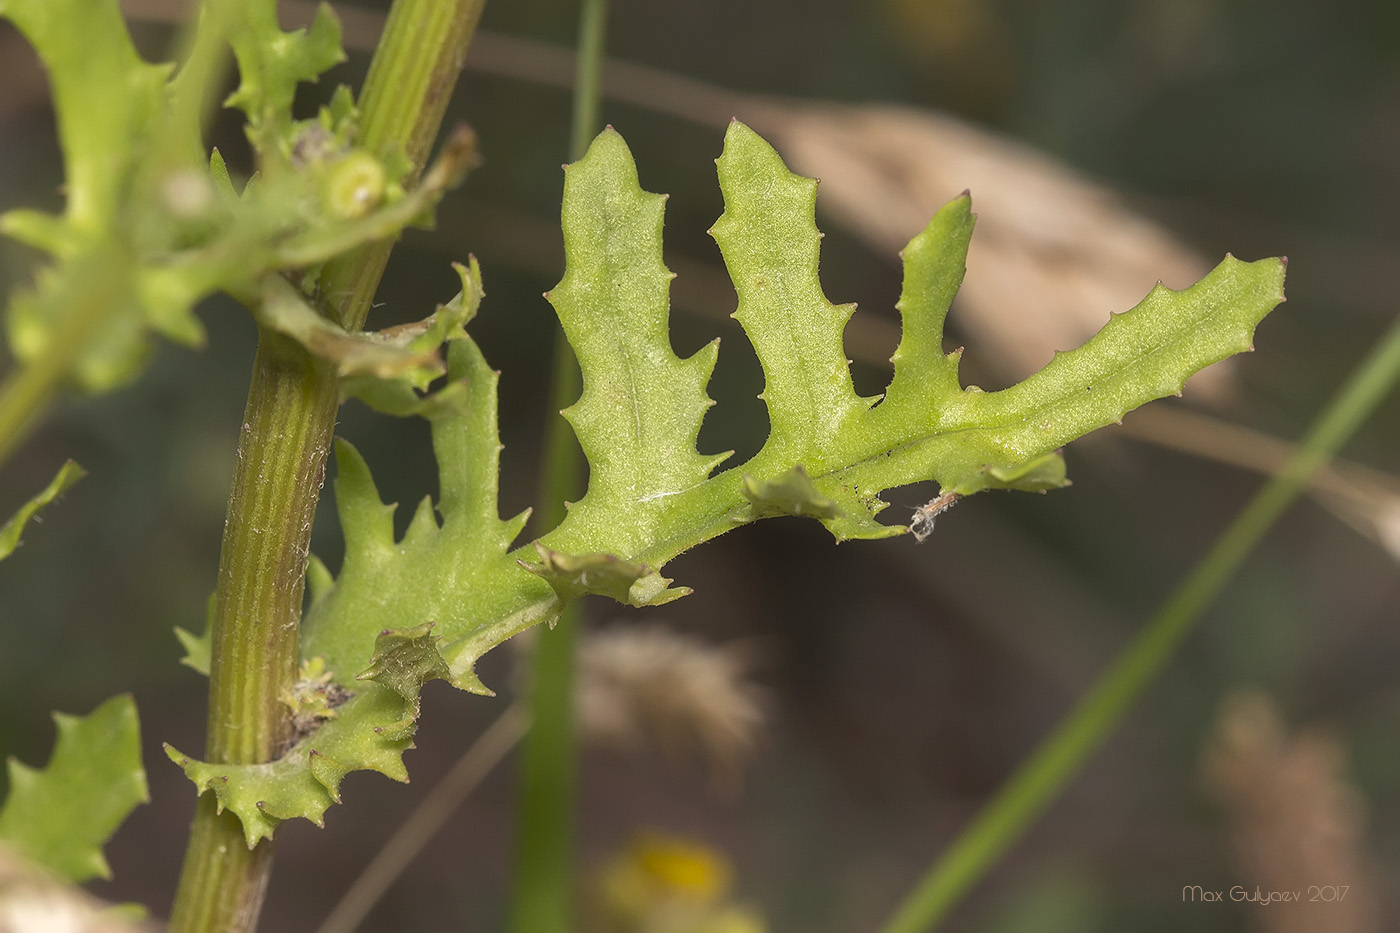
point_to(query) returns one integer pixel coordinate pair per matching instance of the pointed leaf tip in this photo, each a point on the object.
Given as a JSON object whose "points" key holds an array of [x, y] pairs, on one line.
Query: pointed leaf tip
{"points": [[770, 243], [63, 480], [640, 412]]}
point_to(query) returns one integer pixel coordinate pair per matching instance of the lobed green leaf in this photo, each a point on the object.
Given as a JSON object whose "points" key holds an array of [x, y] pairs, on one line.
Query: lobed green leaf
{"points": [[60, 816], [109, 105], [768, 235], [457, 573], [430, 604], [271, 63], [305, 781], [641, 407], [399, 612], [105, 96]]}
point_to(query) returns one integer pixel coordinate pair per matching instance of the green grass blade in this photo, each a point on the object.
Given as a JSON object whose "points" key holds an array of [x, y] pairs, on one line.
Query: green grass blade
{"points": [[1037, 783]]}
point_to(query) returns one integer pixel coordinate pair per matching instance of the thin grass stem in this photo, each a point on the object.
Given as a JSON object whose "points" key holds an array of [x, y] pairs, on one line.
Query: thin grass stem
{"points": [[542, 893], [394, 857], [1040, 779]]}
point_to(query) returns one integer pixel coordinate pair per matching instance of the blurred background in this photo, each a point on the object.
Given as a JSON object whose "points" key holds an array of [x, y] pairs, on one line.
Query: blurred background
{"points": [[1107, 145]]}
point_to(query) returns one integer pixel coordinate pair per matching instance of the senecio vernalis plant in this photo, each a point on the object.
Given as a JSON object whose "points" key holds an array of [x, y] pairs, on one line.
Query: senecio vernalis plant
{"points": [[153, 224]]}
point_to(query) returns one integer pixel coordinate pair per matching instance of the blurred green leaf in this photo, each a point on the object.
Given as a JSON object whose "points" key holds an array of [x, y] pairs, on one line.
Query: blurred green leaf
{"points": [[271, 63], [59, 817], [106, 99], [67, 475]]}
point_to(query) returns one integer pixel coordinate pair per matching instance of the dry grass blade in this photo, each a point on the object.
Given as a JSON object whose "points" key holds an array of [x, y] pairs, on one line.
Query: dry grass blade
{"points": [[1367, 500]]}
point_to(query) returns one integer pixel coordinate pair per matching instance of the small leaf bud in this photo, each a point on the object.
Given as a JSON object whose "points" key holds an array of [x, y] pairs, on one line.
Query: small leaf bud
{"points": [[354, 186]]}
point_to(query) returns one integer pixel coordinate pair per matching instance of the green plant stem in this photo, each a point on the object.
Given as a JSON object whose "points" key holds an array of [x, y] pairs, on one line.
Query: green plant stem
{"points": [[402, 104], [281, 466], [542, 893], [542, 882], [24, 395], [1036, 784], [588, 76], [292, 402]]}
